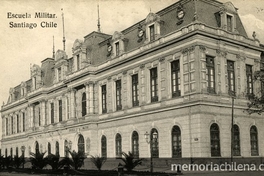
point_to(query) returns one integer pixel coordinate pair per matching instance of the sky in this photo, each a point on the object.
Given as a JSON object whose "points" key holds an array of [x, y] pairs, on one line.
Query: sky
{"points": [[22, 47]]}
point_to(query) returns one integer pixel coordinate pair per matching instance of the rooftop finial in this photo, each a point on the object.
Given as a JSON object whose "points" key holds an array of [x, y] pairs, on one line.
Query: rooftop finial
{"points": [[53, 52], [63, 40], [98, 24]]}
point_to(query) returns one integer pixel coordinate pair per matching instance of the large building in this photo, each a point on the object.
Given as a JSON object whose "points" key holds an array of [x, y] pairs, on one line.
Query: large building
{"points": [[174, 75]]}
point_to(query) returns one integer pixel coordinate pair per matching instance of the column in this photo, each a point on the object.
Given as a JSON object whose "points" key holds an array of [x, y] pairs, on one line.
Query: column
{"points": [[124, 90], [43, 112], [91, 97], [87, 92], [72, 101], [142, 85]]}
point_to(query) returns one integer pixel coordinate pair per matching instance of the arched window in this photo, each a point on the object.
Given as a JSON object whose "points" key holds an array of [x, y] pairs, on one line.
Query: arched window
{"points": [[66, 148], [103, 147], [81, 144], [118, 140], [49, 148], [176, 142], [57, 148], [11, 152], [254, 141], [83, 104], [5, 152], [135, 144], [36, 147], [215, 140], [236, 144], [154, 143]]}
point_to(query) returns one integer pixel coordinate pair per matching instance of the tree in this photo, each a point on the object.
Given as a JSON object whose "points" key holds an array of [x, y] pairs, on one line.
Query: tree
{"points": [[38, 161], [53, 161], [76, 161], [18, 161], [256, 101], [98, 161], [130, 161]]}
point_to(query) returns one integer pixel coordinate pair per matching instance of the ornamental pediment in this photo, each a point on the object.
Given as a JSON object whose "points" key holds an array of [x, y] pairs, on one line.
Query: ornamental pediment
{"points": [[152, 17], [117, 36], [77, 44], [229, 7], [60, 54]]}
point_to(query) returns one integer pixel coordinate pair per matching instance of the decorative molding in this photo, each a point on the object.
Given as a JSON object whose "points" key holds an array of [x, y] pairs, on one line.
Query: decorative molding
{"points": [[161, 59], [142, 66], [202, 47], [109, 78], [124, 72], [221, 53]]}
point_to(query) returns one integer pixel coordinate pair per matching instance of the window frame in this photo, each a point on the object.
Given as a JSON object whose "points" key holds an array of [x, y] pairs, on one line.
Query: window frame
{"points": [[135, 90], [154, 84], [249, 75], [254, 149], [236, 141], [60, 110], [104, 99], [118, 142], [176, 144], [210, 74], [231, 77], [118, 95], [135, 144], [154, 145], [52, 113], [104, 146], [84, 104], [151, 28], [175, 81], [215, 142]]}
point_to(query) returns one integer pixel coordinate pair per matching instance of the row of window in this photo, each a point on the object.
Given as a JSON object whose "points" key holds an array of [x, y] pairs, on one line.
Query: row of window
{"points": [[154, 144], [176, 83], [20, 124]]}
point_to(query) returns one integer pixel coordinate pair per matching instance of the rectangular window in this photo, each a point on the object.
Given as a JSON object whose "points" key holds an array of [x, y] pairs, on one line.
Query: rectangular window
{"points": [[52, 112], [229, 20], [78, 62], [118, 95], [7, 126], [154, 84], [60, 110], [175, 78], [59, 74], [249, 76], [104, 107], [210, 74], [231, 77], [23, 119], [151, 33], [117, 48], [135, 96], [17, 117], [35, 82]]}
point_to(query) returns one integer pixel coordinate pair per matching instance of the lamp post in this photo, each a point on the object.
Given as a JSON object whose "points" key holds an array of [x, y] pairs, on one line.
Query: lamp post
{"points": [[151, 141], [23, 154], [233, 94]]}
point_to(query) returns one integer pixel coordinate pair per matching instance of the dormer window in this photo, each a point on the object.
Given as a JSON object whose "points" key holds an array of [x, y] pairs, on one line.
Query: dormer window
{"points": [[229, 21], [118, 43], [59, 74], [152, 24], [78, 62], [151, 32], [117, 48]]}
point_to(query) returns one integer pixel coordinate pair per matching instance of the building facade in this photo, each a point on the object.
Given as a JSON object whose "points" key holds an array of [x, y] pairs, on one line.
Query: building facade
{"points": [[173, 74]]}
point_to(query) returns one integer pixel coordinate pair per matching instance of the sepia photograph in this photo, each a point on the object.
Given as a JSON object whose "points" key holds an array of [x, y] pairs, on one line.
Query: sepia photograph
{"points": [[132, 87]]}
